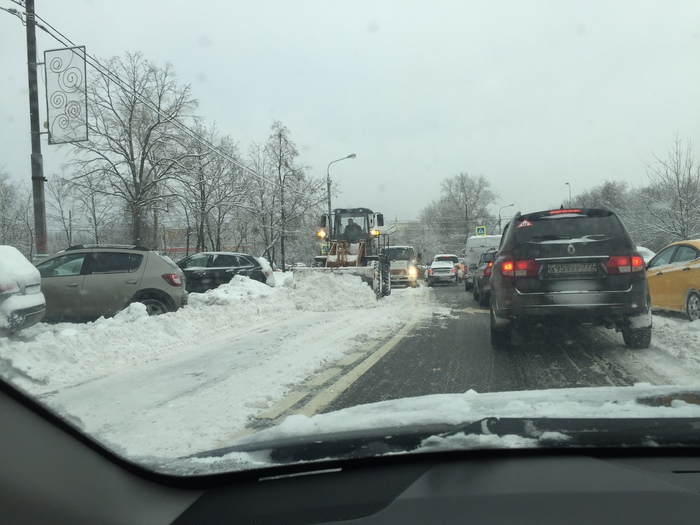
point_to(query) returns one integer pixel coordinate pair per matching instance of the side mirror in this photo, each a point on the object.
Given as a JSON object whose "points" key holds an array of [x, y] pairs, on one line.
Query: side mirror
{"points": [[324, 220], [380, 219]]}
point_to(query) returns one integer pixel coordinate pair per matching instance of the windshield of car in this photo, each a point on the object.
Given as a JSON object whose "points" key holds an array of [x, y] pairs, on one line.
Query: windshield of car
{"points": [[288, 155], [401, 254]]}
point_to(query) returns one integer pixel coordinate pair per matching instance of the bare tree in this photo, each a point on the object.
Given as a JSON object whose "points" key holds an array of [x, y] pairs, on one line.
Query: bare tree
{"points": [[135, 121], [62, 206], [673, 198], [209, 186], [465, 199], [16, 215]]}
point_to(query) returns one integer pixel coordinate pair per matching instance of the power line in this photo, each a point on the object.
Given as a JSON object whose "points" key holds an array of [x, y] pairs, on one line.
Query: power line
{"points": [[94, 62]]}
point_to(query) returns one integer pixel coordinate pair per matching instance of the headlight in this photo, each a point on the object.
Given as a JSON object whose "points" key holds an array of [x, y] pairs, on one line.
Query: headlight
{"points": [[412, 271]]}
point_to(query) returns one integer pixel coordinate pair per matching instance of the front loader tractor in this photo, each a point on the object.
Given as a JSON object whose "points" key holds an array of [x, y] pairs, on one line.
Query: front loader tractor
{"points": [[353, 244]]}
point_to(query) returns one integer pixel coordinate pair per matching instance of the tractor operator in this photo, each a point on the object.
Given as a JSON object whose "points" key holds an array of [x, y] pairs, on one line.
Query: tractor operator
{"points": [[353, 231]]}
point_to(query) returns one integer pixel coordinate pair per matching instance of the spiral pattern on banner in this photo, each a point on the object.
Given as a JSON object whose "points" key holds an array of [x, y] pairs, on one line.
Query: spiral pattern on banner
{"points": [[62, 122], [71, 79], [58, 99], [56, 64], [73, 109]]}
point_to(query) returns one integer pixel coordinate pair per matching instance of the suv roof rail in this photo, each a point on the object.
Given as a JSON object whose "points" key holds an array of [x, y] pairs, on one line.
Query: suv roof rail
{"points": [[119, 246]]}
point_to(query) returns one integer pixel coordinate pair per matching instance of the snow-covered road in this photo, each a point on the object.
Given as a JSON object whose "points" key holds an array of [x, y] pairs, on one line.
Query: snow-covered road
{"points": [[190, 380]]}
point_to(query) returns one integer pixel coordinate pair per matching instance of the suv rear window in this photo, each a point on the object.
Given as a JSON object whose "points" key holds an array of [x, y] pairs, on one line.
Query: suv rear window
{"points": [[552, 228], [599, 230]]}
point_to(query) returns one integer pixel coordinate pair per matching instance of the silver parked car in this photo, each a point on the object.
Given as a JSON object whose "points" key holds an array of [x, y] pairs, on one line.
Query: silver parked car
{"points": [[91, 281], [21, 302]]}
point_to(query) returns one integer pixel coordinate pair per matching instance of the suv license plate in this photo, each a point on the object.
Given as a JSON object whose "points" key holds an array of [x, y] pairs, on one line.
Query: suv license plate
{"points": [[567, 268]]}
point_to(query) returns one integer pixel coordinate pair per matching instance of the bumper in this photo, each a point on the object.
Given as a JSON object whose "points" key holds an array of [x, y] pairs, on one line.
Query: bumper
{"points": [[403, 278], [24, 318], [583, 305], [442, 278]]}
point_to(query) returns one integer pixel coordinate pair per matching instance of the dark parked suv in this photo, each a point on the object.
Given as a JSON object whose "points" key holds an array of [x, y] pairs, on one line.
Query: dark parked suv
{"points": [[573, 264]]}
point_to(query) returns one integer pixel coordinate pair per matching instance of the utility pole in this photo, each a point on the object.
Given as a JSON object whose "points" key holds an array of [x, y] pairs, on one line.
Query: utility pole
{"points": [[35, 129]]}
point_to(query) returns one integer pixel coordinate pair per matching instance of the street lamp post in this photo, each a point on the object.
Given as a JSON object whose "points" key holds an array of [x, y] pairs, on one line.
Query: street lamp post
{"points": [[569, 185], [328, 184], [499, 216]]}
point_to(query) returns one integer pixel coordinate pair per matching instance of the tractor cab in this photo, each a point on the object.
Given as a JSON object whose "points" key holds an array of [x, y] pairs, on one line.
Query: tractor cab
{"points": [[352, 225]]}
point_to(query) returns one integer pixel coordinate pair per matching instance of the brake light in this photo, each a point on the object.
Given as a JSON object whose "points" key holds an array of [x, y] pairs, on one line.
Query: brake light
{"points": [[454, 270], [507, 268], [559, 212], [624, 264], [172, 279], [524, 268], [487, 270]]}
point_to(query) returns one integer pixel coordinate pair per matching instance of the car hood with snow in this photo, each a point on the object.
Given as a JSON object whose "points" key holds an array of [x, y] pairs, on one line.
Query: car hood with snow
{"points": [[639, 416]]}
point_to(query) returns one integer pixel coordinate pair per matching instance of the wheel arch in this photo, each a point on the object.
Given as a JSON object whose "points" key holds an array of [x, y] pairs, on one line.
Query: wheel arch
{"points": [[154, 293]]}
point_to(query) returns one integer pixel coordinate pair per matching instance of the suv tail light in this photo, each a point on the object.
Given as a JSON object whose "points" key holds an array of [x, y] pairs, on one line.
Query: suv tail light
{"points": [[487, 270], [172, 279], [624, 264], [524, 268]]}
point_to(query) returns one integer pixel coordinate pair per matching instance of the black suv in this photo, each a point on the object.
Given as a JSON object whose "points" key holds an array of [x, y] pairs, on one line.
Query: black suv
{"points": [[574, 264]]}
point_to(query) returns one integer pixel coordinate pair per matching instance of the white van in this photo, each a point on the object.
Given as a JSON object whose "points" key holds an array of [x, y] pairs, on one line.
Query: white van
{"points": [[476, 245]]}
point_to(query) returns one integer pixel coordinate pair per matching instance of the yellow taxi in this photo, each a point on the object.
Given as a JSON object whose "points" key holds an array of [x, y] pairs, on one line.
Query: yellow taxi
{"points": [[674, 278]]}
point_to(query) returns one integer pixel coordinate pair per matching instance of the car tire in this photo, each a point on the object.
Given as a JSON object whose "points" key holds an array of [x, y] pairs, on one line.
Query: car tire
{"points": [[154, 306], [483, 300], [692, 306], [637, 337], [500, 339]]}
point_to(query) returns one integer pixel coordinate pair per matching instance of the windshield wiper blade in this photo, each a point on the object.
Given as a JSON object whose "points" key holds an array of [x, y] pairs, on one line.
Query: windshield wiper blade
{"points": [[588, 432], [546, 432]]}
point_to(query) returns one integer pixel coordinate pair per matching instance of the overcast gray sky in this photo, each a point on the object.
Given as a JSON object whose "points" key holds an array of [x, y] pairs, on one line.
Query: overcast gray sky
{"points": [[529, 94]]}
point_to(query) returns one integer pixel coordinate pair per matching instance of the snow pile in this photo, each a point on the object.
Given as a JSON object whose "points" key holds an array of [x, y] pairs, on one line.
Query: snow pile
{"points": [[320, 291], [58, 355], [678, 338]]}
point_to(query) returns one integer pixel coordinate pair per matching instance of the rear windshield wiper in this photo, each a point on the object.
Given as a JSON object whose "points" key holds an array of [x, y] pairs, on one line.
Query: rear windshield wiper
{"points": [[550, 237]]}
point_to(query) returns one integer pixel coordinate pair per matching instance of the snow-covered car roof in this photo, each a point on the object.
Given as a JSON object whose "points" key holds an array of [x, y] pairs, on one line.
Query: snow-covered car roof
{"points": [[16, 267]]}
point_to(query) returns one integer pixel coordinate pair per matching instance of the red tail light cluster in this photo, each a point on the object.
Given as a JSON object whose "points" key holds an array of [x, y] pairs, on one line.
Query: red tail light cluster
{"points": [[487, 270], [172, 279], [525, 268], [624, 264]]}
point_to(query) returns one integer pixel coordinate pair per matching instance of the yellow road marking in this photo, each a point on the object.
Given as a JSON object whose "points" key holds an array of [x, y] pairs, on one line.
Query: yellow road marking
{"points": [[323, 377], [326, 396]]}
